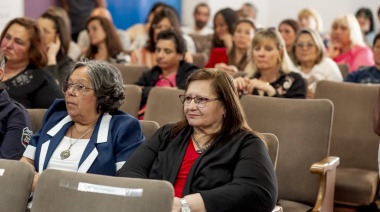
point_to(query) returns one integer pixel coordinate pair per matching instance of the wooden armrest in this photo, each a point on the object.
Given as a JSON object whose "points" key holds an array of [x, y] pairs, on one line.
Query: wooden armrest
{"points": [[327, 164], [326, 169]]}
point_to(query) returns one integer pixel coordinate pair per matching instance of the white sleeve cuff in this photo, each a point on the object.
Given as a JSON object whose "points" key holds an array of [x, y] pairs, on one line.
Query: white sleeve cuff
{"points": [[30, 152]]}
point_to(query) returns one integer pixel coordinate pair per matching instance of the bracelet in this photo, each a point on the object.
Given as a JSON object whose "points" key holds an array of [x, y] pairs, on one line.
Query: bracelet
{"points": [[184, 206]]}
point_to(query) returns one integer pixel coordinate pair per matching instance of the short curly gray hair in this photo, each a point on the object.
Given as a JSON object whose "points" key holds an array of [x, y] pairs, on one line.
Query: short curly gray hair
{"points": [[107, 82]]}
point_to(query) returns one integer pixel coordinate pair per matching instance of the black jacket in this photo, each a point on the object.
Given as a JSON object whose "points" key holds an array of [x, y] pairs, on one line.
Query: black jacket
{"points": [[150, 78], [236, 175]]}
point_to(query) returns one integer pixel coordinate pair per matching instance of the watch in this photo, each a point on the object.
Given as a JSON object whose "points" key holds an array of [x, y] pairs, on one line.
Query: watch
{"points": [[184, 206]]}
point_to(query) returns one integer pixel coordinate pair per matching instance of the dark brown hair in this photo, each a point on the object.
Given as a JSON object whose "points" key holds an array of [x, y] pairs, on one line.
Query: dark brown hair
{"points": [[113, 42], [223, 86], [230, 17], [36, 52]]}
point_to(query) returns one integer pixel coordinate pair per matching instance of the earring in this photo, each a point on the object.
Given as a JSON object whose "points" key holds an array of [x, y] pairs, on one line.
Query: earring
{"points": [[279, 60]]}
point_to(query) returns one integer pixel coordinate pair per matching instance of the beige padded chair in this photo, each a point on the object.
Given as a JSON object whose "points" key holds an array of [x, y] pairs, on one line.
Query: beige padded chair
{"points": [[303, 129], [16, 180], [163, 105], [36, 117], [63, 191], [344, 69], [353, 140], [202, 43], [132, 100], [149, 128], [131, 73], [272, 143], [200, 59]]}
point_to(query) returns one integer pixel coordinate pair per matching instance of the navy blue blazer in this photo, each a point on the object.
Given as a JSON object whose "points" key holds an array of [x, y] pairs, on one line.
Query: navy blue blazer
{"points": [[115, 137]]}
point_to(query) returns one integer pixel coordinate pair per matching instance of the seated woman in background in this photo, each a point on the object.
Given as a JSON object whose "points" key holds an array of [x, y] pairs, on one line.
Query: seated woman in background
{"points": [[309, 56], [163, 20], [238, 57], [85, 132], [224, 21], [212, 155], [347, 44], [25, 79], [271, 73], [105, 44], [57, 39], [310, 18], [171, 70], [15, 128], [365, 18], [369, 74], [288, 29]]}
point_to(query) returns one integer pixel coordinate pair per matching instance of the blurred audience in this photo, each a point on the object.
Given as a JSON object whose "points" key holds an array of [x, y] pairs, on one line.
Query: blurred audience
{"points": [[224, 21], [347, 44], [367, 25], [271, 75], [309, 56], [105, 44], [238, 58], [310, 18], [369, 74], [25, 79], [288, 29], [201, 17], [57, 40]]}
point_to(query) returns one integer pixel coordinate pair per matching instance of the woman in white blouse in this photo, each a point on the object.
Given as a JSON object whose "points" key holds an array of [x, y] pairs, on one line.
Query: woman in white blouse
{"points": [[310, 59]]}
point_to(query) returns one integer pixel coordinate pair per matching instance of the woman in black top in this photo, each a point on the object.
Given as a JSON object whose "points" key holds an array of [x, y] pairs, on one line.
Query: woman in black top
{"points": [[25, 79]]}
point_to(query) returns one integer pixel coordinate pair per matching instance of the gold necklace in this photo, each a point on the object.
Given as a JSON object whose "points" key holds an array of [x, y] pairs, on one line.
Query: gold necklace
{"points": [[66, 153], [200, 150]]}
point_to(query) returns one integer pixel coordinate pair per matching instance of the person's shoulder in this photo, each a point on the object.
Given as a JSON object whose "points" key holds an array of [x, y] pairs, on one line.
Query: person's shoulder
{"points": [[359, 49], [295, 75]]}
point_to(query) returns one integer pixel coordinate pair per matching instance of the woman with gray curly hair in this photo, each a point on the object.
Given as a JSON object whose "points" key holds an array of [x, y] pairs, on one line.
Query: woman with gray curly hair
{"points": [[86, 132]]}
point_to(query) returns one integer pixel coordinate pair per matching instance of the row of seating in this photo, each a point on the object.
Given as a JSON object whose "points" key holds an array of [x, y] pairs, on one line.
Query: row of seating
{"points": [[304, 128]]}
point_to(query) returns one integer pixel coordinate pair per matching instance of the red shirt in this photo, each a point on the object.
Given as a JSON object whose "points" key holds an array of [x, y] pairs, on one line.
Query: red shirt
{"points": [[217, 55], [188, 160]]}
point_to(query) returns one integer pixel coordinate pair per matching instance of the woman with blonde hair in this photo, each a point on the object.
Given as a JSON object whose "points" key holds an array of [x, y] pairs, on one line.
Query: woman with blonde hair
{"points": [[347, 43], [310, 18], [271, 74]]}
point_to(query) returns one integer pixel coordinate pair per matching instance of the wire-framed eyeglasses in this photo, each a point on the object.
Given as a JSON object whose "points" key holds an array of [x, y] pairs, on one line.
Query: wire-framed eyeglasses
{"points": [[198, 100], [78, 88]]}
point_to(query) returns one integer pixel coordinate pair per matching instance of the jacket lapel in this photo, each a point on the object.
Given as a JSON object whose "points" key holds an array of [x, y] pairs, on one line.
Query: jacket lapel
{"points": [[100, 135]]}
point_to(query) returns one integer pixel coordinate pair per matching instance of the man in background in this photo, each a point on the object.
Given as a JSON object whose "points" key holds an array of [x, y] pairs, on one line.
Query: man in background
{"points": [[201, 16]]}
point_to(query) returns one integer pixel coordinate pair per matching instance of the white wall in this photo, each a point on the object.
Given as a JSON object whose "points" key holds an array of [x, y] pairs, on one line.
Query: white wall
{"points": [[10, 10], [271, 12]]}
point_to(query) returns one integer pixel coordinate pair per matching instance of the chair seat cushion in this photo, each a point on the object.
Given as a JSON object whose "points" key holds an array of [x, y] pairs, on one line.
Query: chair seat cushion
{"points": [[355, 186], [293, 206]]}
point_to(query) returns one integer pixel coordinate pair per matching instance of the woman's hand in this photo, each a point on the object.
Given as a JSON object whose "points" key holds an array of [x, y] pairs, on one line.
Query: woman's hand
{"points": [[334, 50], [261, 86], [52, 51], [227, 40], [241, 83], [176, 205]]}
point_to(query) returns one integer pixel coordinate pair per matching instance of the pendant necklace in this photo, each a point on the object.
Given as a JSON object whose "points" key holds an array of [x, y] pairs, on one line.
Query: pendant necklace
{"points": [[66, 153], [200, 150]]}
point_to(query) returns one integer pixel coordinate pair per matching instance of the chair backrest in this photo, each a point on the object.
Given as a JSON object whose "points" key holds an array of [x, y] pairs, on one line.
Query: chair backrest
{"points": [[202, 42], [344, 69], [272, 144], [163, 105], [73, 191], [149, 128], [36, 118], [16, 180], [352, 137], [200, 59], [131, 73], [132, 100], [303, 129]]}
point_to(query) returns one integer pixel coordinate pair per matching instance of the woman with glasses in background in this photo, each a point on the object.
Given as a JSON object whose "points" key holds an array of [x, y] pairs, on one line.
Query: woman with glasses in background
{"points": [[309, 56], [212, 157], [272, 69], [85, 132], [165, 19]]}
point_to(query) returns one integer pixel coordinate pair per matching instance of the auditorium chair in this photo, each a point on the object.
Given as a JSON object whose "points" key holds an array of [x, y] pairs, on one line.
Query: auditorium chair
{"points": [[131, 73], [149, 128], [344, 69], [36, 117], [132, 100]]}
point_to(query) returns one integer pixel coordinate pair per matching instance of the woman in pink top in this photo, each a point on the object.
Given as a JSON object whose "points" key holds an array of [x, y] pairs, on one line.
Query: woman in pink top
{"points": [[347, 43]]}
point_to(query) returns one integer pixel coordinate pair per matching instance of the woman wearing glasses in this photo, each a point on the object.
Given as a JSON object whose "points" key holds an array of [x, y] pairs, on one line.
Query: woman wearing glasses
{"points": [[213, 159], [313, 64], [272, 74], [86, 132]]}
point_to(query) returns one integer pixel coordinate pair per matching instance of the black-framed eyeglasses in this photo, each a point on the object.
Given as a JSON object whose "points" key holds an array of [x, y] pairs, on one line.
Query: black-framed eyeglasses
{"points": [[198, 100], [78, 88]]}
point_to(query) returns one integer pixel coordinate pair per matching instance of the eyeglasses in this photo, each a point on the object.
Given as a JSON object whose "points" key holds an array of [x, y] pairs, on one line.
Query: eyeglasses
{"points": [[78, 88], [303, 45], [198, 100]]}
